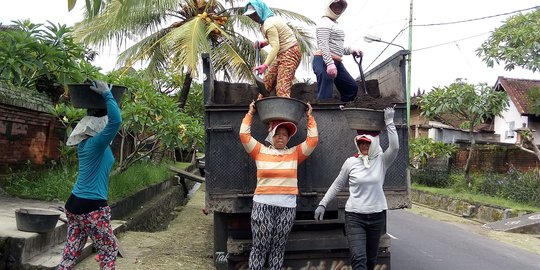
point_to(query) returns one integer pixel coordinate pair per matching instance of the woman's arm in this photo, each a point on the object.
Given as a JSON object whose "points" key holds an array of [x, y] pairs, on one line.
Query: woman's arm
{"points": [[393, 141], [106, 136], [306, 147], [338, 184], [322, 32], [273, 39], [251, 145]]}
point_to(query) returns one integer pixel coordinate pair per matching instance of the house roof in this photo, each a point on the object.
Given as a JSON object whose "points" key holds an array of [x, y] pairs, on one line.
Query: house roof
{"points": [[517, 90]]}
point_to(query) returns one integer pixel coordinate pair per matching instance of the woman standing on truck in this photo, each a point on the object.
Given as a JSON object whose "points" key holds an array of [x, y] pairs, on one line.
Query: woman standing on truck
{"points": [[274, 202], [86, 209], [327, 59], [285, 55], [365, 210]]}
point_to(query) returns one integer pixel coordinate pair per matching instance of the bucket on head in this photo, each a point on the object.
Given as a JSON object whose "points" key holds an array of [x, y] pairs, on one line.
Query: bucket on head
{"points": [[280, 108], [364, 119], [83, 97]]}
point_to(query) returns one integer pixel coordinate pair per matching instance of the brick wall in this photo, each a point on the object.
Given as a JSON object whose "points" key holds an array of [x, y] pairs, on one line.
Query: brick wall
{"points": [[495, 158], [27, 132], [27, 135]]}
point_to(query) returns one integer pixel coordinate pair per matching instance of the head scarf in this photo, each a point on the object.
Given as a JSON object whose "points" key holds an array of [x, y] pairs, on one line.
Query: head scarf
{"points": [[261, 8], [291, 130], [89, 126], [374, 148], [328, 11]]}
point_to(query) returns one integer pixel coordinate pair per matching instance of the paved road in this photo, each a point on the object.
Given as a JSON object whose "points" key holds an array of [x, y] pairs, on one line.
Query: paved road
{"points": [[427, 244]]}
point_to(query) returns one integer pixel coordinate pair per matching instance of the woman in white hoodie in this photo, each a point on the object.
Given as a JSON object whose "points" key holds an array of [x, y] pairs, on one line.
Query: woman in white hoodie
{"points": [[327, 60], [365, 210]]}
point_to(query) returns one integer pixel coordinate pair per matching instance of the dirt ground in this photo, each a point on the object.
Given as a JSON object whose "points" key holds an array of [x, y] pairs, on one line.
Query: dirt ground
{"points": [[186, 244]]}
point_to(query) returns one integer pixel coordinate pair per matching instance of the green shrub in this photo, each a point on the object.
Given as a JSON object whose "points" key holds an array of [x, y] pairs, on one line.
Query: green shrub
{"points": [[57, 183], [431, 178]]}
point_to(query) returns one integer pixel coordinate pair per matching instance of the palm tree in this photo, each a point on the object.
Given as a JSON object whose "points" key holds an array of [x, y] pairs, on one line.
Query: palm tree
{"points": [[174, 33]]}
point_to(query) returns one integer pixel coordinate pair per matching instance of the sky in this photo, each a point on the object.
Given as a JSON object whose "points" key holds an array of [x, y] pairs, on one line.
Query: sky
{"points": [[440, 54]]}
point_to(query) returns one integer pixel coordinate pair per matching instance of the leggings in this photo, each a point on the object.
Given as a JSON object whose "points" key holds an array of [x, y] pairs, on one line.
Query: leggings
{"points": [[270, 226], [281, 72], [95, 224]]}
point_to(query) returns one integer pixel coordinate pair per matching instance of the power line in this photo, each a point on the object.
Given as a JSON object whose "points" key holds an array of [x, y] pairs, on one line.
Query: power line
{"points": [[450, 42], [387, 45], [477, 19]]}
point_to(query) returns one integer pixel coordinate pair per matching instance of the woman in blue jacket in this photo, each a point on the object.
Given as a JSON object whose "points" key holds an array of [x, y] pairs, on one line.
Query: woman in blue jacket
{"points": [[86, 209]]}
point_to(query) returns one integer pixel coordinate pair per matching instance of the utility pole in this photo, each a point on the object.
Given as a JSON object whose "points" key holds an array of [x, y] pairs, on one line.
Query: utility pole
{"points": [[409, 60]]}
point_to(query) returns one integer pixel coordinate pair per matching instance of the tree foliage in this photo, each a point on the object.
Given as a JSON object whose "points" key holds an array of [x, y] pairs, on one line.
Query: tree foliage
{"points": [[172, 34], [472, 104], [422, 149], [515, 43]]}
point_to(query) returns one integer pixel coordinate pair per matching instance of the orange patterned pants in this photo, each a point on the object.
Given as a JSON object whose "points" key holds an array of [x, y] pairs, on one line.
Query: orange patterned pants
{"points": [[280, 74]]}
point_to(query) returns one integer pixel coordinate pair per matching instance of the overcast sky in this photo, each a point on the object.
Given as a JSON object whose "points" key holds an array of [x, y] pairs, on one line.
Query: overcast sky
{"points": [[433, 64]]}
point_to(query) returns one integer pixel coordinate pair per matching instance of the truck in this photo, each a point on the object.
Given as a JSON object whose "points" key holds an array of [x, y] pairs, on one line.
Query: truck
{"points": [[230, 174]]}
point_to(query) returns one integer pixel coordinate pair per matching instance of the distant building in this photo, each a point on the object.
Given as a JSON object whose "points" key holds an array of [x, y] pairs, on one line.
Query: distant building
{"points": [[519, 114]]}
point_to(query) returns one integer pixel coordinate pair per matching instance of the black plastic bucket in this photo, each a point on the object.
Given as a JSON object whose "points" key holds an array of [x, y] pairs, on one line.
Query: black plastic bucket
{"points": [[280, 108], [83, 97], [364, 119], [36, 220]]}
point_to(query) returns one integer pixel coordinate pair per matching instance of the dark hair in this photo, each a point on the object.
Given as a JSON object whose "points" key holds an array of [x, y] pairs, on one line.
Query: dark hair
{"points": [[96, 112]]}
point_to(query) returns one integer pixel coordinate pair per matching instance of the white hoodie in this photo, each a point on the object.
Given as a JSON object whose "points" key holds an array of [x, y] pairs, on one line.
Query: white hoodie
{"points": [[366, 180]]}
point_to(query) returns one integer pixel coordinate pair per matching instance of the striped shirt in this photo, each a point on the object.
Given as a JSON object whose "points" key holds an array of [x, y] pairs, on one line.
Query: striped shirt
{"points": [[277, 169], [330, 40]]}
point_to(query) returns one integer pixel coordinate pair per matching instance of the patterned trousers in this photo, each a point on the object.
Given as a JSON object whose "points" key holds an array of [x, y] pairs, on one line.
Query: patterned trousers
{"points": [[95, 224], [270, 226], [280, 74]]}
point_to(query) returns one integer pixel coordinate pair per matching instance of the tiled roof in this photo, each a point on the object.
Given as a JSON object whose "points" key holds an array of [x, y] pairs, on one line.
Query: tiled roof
{"points": [[517, 90]]}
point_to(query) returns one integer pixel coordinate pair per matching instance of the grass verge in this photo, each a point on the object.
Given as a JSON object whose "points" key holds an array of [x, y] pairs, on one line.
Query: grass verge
{"points": [[57, 184], [471, 197]]}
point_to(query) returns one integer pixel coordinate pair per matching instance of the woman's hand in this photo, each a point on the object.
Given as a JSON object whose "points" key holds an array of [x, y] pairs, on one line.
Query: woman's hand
{"points": [[389, 115], [309, 110], [252, 108], [319, 212], [101, 87]]}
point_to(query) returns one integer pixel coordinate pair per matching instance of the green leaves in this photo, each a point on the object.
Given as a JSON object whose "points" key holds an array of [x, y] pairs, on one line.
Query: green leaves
{"points": [[172, 34], [467, 102], [515, 43], [421, 149], [36, 51]]}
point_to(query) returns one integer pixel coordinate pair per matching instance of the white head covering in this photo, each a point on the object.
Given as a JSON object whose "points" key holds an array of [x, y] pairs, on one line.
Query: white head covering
{"points": [[249, 10], [88, 126], [328, 11], [374, 149]]}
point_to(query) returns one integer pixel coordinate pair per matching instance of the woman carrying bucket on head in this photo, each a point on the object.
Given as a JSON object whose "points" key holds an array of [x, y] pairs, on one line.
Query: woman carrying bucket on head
{"points": [[86, 209], [274, 202], [285, 55], [365, 210]]}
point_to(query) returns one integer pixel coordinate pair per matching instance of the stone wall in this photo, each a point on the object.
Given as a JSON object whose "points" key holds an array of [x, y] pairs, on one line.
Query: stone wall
{"points": [[482, 212], [495, 158], [27, 132]]}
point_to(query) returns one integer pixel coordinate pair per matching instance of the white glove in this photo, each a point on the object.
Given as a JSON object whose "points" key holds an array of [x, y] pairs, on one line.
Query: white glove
{"points": [[101, 87], [319, 212], [389, 115]]}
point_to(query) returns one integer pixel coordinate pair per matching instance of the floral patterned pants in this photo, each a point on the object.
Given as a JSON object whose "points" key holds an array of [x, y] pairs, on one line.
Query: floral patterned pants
{"points": [[281, 72], [95, 224]]}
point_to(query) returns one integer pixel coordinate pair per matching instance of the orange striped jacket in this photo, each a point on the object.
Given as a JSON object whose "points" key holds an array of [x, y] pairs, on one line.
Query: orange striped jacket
{"points": [[277, 171]]}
